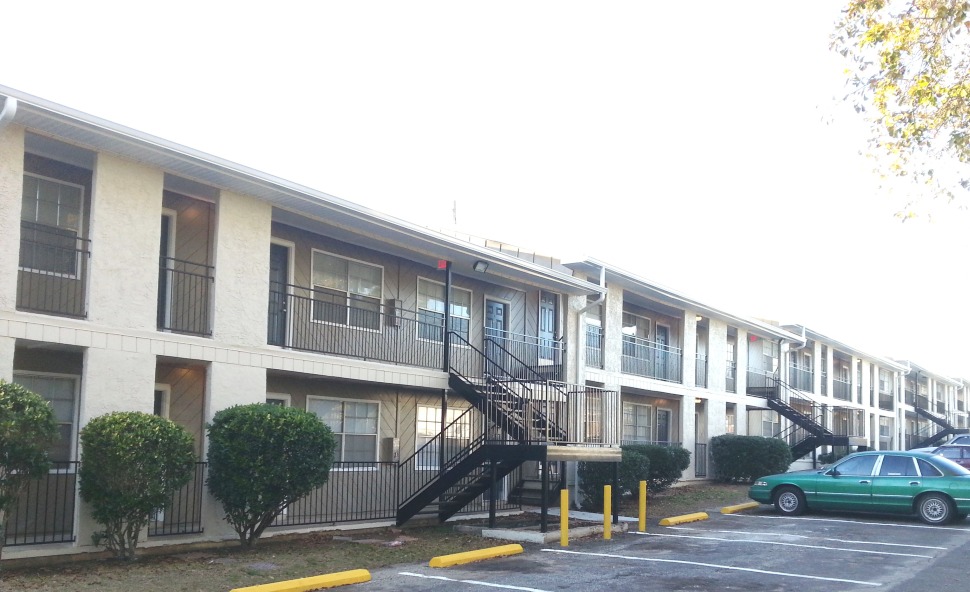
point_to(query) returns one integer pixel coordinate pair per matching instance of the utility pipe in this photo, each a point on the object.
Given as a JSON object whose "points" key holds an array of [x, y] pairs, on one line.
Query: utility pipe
{"points": [[8, 112]]}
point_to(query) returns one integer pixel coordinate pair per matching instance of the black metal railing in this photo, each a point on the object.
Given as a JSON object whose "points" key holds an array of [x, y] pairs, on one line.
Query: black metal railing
{"points": [[825, 381], [643, 357], [185, 296], [44, 512], [886, 401], [922, 402], [761, 382], [355, 491], [317, 322], [700, 459], [941, 407], [53, 271], [594, 346], [536, 355], [841, 389], [700, 371], [731, 376], [909, 397], [801, 378], [635, 442], [183, 513]]}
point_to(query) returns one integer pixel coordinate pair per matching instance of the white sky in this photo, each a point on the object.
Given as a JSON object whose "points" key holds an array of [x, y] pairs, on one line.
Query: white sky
{"points": [[698, 144]]}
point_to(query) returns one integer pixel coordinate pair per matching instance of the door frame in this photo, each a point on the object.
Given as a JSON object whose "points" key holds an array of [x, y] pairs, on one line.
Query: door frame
{"points": [[290, 247]]}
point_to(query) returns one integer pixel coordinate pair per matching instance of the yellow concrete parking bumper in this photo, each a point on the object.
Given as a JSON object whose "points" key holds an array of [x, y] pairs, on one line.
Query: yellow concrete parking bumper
{"points": [[684, 518], [477, 555], [739, 507], [340, 578]]}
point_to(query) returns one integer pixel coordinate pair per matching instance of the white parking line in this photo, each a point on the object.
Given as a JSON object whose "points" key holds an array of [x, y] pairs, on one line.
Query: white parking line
{"points": [[802, 536], [782, 544], [473, 582], [717, 566], [849, 521]]}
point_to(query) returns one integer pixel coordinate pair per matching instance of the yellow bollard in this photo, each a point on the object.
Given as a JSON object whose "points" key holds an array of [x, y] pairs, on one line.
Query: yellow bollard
{"points": [[607, 512], [643, 506], [564, 518]]}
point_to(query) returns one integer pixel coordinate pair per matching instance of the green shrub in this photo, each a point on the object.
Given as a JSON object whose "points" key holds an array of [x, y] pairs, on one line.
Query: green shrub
{"points": [[131, 464], [27, 431], [262, 458], [634, 467], [667, 464], [742, 459]]}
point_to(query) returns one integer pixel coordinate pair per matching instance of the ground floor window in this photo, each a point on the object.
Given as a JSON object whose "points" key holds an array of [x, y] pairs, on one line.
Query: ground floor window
{"points": [[429, 425], [637, 423], [61, 392], [354, 423]]}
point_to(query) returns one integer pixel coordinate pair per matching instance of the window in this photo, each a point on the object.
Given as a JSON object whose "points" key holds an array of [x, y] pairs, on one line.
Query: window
{"points": [[927, 470], [637, 425], [730, 419], [51, 216], [354, 423], [163, 398], [61, 392], [279, 399], [859, 465], [346, 292], [429, 426], [897, 466], [770, 424], [431, 310]]}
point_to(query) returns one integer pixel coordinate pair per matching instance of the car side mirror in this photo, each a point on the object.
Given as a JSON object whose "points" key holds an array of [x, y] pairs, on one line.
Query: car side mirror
{"points": [[833, 472]]}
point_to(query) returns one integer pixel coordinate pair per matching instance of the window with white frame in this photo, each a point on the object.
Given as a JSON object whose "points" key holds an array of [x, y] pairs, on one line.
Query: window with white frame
{"points": [[346, 292], [730, 419], [429, 425], [278, 399], [770, 424], [354, 424], [61, 392], [51, 211], [431, 310], [637, 422]]}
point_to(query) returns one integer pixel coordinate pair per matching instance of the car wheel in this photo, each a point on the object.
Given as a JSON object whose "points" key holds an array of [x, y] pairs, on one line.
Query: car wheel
{"points": [[935, 508], [790, 501]]}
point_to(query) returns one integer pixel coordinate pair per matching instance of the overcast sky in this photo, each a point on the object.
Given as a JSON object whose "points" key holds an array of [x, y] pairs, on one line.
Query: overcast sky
{"points": [[702, 145]]}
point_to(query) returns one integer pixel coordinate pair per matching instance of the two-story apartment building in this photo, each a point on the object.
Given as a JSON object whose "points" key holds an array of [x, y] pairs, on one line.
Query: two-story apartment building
{"points": [[142, 275]]}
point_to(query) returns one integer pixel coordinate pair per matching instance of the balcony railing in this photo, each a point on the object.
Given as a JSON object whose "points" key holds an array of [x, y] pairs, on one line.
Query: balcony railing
{"points": [[825, 382], [700, 371], [941, 407], [700, 459], [910, 397], [44, 512], [651, 359], [730, 377], [841, 389], [801, 378], [184, 296], [183, 513], [529, 354], [961, 406], [886, 401], [594, 346], [53, 272]]}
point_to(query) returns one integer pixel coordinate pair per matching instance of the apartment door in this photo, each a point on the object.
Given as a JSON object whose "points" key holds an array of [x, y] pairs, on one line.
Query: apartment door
{"points": [[547, 327], [663, 425], [496, 328], [279, 263]]}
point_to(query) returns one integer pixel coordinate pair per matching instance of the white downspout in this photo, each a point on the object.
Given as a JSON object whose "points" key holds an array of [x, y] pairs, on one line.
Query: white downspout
{"points": [[8, 112]]}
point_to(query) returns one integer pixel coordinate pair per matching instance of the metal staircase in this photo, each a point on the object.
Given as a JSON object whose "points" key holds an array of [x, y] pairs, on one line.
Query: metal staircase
{"points": [[946, 428], [518, 418]]}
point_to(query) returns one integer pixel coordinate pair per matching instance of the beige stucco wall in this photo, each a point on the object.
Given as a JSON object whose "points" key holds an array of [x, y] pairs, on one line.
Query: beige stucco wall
{"points": [[241, 259], [116, 380], [125, 232], [7, 345], [11, 189]]}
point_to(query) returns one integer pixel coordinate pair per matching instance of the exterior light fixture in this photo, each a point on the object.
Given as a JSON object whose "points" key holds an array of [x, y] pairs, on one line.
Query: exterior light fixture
{"points": [[480, 266]]}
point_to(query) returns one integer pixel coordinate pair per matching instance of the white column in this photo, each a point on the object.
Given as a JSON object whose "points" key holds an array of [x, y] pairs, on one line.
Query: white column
{"points": [[716, 357], [689, 349], [7, 345], [11, 195]]}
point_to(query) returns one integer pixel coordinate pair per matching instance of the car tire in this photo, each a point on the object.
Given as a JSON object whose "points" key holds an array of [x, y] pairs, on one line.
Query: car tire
{"points": [[935, 508], [790, 501]]}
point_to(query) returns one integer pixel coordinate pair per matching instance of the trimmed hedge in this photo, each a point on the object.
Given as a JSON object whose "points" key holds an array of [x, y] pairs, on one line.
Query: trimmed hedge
{"points": [[742, 459], [667, 464], [634, 467], [262, 458], [27, 431], [131, 464]]}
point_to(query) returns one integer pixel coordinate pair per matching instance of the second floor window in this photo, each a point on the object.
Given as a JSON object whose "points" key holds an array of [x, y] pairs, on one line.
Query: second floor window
{"points": [[51, 213], [346, 292], [431, 310]]}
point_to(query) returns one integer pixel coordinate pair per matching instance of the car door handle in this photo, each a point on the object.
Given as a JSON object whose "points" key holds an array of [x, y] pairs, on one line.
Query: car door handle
{"points": [[864, 481], [914, 482]]}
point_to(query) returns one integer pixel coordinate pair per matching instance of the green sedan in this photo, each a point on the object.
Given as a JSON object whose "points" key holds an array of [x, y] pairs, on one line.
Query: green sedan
{"points": [[933, 487]]}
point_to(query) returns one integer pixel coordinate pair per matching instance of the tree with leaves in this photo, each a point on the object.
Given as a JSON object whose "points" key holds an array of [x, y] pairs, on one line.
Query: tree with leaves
{"points": [[910, 76], [27, 431], [262, 458]]}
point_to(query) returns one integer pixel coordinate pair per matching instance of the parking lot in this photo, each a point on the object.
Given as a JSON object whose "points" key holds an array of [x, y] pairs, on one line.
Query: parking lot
{"points": [[756, 550]]}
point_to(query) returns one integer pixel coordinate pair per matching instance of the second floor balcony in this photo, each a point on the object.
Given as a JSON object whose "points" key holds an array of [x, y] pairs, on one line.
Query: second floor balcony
{"points": [[886, 401], [185, 296], [594, 346], [700, 371], [643, 357], [801, 378], [841, 389], [53, 272]]}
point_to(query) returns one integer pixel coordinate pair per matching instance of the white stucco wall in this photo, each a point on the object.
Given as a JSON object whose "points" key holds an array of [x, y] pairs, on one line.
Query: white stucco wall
{"points": [[11, 190], [242, 259], [116, 380], [126, 210], [7, 345]]}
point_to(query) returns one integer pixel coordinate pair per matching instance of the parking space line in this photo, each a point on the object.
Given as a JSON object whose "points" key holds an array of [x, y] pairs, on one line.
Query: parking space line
{"points": [[472, 582], [802, 536], [717, 566], [781, 544], [926, 526]]}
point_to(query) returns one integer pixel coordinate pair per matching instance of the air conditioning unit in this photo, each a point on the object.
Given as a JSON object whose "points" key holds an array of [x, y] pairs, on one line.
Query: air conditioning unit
{"points": [[392, 312], [390, 450]]}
